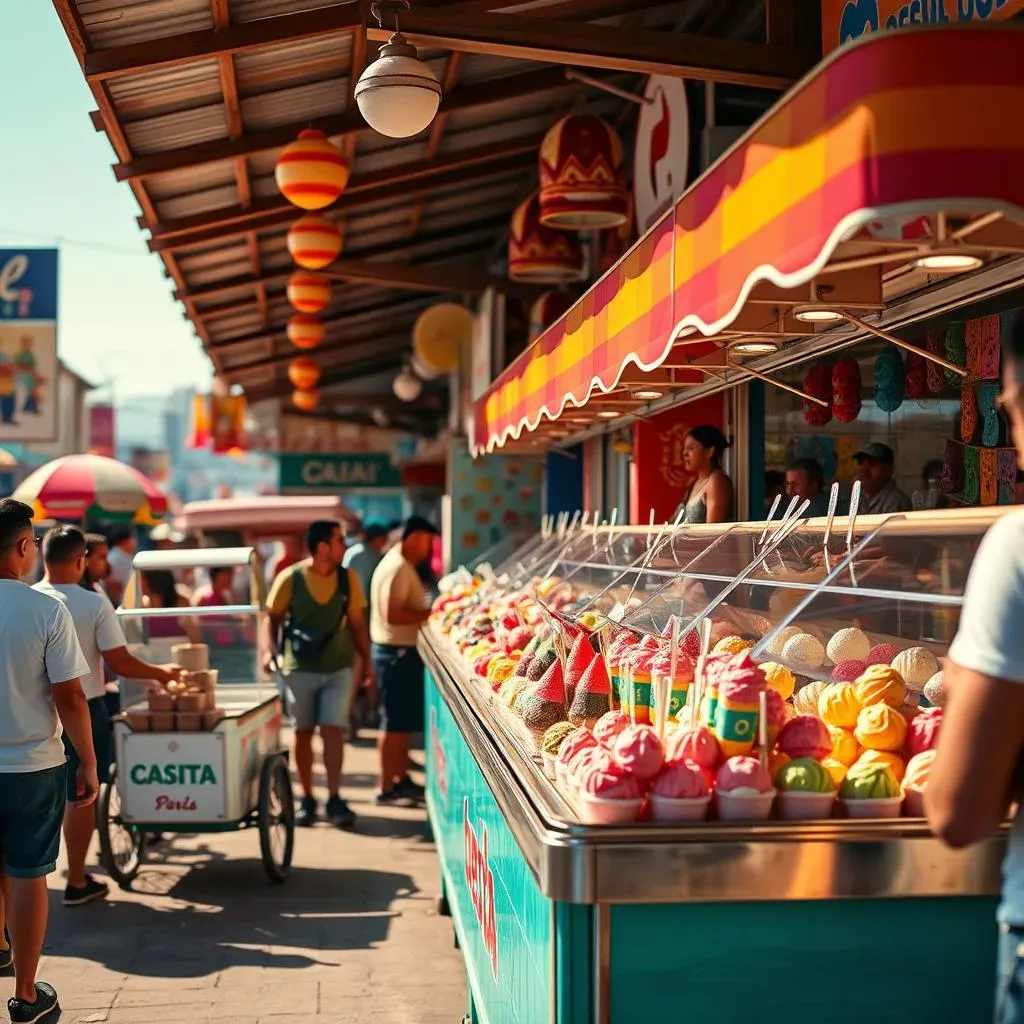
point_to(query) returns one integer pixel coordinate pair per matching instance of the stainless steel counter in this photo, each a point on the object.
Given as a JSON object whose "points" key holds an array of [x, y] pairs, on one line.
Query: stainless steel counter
{"points": [[713, 861]]}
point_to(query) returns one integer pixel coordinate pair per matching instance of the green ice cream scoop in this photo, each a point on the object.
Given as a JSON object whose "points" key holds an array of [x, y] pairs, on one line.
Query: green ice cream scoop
{"points": [[869, 782], [804, 775], [555, 736]]}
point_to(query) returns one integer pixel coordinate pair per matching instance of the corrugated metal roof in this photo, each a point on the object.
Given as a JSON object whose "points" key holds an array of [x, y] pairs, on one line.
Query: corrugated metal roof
{"points": [[315, 99], [254, 10], [112, 23], [294, 63], [181, 87]]}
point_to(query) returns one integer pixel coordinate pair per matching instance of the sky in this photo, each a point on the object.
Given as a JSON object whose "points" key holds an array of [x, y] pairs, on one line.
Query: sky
{"points": [[117, 319]]}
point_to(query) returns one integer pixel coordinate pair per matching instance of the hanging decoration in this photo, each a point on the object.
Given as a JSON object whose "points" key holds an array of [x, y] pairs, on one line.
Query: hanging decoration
{"points": [[440, 335], [421, 369], [308, 293], [407, 386], [546, 310], [615, 243], [582, 185], [916, 377], [542, 255], [972, 474], [846, 389], [200, 430], [972, 349], [817, 382], [227, 414], [311, 172], [305, 331], [304, 373], [968, 414], [935, 342], [953, 467], [889, 380], [987, 394], [305, 401], [314, 242], [956, 352], [991, 338]]}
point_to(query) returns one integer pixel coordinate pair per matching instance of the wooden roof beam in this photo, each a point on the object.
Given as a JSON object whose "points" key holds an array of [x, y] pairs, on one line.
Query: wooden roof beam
{"points": [[391, 183], [335, 126], [426, 278], [346, 375], [117, 61], [359, 348], [612, 48]]}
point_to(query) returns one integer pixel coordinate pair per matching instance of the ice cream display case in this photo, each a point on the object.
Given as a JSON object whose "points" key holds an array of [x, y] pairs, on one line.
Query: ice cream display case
{"points": [[562, 918]]}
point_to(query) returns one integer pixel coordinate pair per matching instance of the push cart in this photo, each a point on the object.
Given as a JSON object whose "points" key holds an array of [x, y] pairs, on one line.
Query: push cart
{"points": [[230, 776]]}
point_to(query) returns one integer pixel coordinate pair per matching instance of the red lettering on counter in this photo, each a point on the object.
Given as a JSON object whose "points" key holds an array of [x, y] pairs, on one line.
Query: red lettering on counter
{"points": [[437, 756], [480, 881], [166, 803]]}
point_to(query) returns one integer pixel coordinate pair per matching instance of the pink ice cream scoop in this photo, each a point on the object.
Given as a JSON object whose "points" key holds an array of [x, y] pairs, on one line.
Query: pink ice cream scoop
{"points": [[651, 643], [611, 783], [697, 745], [681, 780], [575, 743], [882, 654], [639, 750], [589, 760], [923, 730], [743, 775], [662, 665], [777, 713], [848, 671], [805, 736], [609, 726]]}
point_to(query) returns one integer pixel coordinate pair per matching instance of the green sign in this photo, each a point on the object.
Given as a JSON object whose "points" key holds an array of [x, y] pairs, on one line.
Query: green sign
{"points": [[337, 471]]}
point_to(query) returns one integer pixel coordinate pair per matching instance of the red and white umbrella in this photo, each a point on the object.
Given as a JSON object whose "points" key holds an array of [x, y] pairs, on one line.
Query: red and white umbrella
{"points": [[92, 488]]}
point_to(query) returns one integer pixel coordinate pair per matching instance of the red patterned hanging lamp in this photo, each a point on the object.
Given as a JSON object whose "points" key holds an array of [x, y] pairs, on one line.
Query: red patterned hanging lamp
{"points": [[541, 255], [582, 186], [546, 310]]}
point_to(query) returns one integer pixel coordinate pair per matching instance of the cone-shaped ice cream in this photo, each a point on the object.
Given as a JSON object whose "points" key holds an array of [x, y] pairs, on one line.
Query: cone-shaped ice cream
{"points": [[544, 702], [581, 655], [593, 695]]}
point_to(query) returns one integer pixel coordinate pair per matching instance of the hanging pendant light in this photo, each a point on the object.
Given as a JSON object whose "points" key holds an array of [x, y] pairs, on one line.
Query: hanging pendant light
{"points": [[542, 255], [398, 95], [308, 293], [304, 373], [407, 386]]}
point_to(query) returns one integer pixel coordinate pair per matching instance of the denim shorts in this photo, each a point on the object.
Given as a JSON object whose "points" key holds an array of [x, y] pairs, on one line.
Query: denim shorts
{"points": [[102, 742], [317, 698], [400, 678], [31, 812]]}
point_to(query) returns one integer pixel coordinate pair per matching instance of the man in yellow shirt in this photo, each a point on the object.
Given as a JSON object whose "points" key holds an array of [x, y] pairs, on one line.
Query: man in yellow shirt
{"points": [[322, 610], [399, 607]]}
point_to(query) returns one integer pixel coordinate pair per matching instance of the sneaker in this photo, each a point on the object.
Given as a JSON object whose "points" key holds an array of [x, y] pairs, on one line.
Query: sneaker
{"points": [[38, 1010], [388, 797], [308, 813], [76, 895], [410, 789], [339, 813]]}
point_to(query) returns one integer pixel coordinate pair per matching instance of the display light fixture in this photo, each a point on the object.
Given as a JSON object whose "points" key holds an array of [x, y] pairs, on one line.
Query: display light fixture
{"points": [[948, 261], [407, 386], [648, 395], [753, 347]]}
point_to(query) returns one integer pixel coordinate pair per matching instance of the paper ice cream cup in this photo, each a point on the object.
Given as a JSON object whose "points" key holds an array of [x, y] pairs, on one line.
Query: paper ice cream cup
{"points": [[667, 808], [913, 802], [880, 807], [595, 810], [744, 806], [736, 727], [798, 805]]}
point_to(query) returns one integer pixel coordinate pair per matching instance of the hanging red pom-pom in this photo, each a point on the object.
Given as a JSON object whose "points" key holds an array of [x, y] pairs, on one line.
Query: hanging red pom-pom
{"points": [[916, 377], [818, 384], [846, 390]]}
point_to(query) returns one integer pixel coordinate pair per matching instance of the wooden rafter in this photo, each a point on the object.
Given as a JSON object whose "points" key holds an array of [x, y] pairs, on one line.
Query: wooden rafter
{"points": [[335, 126], [356, 348], [392, 183], [344, 375], [117, 61], [469, 279], [581, 43], [582, 9]]}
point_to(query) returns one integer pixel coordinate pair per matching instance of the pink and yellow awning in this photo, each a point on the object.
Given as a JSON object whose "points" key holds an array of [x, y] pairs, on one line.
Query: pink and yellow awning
{"points": [[898, 127]]}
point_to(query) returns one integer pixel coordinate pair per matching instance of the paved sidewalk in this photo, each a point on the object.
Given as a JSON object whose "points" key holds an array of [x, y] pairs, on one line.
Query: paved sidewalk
{"points": [[351, 937]]}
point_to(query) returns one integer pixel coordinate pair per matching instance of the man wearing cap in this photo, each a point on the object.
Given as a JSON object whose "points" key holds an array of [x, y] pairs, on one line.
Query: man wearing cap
{"points": [[398, 608], [882, 496]]}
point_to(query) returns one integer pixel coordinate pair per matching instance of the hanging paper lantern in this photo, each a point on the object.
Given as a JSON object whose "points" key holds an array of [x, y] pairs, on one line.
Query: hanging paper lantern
{"points": [[314, 242], [818, 383], [307, 401], [308, 293], [311, 172], [969, 416], [889, 380], [406, 386], [541, 255], [546, 310], [303, 373], [916, 376], [305, 331], [582, 185], [440, 335], [846, 389]]}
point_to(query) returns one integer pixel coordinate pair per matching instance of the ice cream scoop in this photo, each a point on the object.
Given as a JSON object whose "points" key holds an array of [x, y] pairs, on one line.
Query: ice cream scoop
{"points": [[919, 768], [680, 780], [804, 653], [881, 684], [610, 783], [847, 671], [779, 678], [890, 760], [639, 750], [608, 727], [804, 775], [698, 745], [848, 645], [805, 736], [882, 654], [916, 665], [845, 747], [743, 776], [555, 737], [923, 731], [869, 782], [575, 743], [880, 727], [838, 705]]}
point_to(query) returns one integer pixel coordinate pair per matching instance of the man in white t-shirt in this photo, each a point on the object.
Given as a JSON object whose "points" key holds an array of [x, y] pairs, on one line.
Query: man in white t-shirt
{"points": [[977, 773], [101, 639], [122, 551], [41, 664]]}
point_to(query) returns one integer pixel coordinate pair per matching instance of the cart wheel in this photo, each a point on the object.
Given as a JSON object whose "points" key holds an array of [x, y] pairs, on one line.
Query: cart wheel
{"points": [[122, 846], [276, 818]]}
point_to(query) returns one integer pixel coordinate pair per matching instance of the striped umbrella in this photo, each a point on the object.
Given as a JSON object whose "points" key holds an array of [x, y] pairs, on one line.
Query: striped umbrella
{"points": [[92, 488]]}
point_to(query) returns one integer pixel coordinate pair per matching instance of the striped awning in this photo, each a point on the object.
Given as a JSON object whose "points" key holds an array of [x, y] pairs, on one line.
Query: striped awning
{"points": [[886, 134]]}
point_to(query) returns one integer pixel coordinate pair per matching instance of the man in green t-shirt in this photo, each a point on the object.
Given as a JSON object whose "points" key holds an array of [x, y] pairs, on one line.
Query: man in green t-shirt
{"points": [[322, 609]]}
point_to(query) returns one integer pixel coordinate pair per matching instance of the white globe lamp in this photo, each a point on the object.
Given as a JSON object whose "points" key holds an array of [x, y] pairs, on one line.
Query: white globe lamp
{"points": [[398, 95], [406, 386]]}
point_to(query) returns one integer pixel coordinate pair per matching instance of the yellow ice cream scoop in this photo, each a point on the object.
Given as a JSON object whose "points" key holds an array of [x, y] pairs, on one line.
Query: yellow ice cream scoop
{"points": [[892, 761], [845, 747], [880, 727], [838, 705], [779, 678], [881, 684]]}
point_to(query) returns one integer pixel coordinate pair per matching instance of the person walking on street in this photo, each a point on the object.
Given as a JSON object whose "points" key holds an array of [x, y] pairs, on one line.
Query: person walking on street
{"points": [[41, 665], [120, 554], [398, 608], [97, 562], [101, 639], [321, 609]]}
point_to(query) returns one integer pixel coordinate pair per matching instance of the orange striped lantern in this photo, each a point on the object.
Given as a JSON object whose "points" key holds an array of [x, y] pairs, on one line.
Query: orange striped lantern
{"points": [[314, 242], [307, 401], [305, 331], [311, 172], [303, 373], [308, 293]]}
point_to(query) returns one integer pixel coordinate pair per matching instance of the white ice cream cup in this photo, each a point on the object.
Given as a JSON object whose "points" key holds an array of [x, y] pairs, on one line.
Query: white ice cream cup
{"points": [[799, 805], [744, 806], [595, 810], [877, 807], [667, 808]]}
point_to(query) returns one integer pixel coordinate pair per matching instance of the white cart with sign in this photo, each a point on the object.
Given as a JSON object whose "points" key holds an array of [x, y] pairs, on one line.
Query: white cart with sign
{"points": [[233, 775]]}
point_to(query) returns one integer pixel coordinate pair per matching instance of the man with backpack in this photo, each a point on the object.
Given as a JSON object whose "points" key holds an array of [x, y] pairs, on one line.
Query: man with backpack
{"points": [[318, 609]]}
